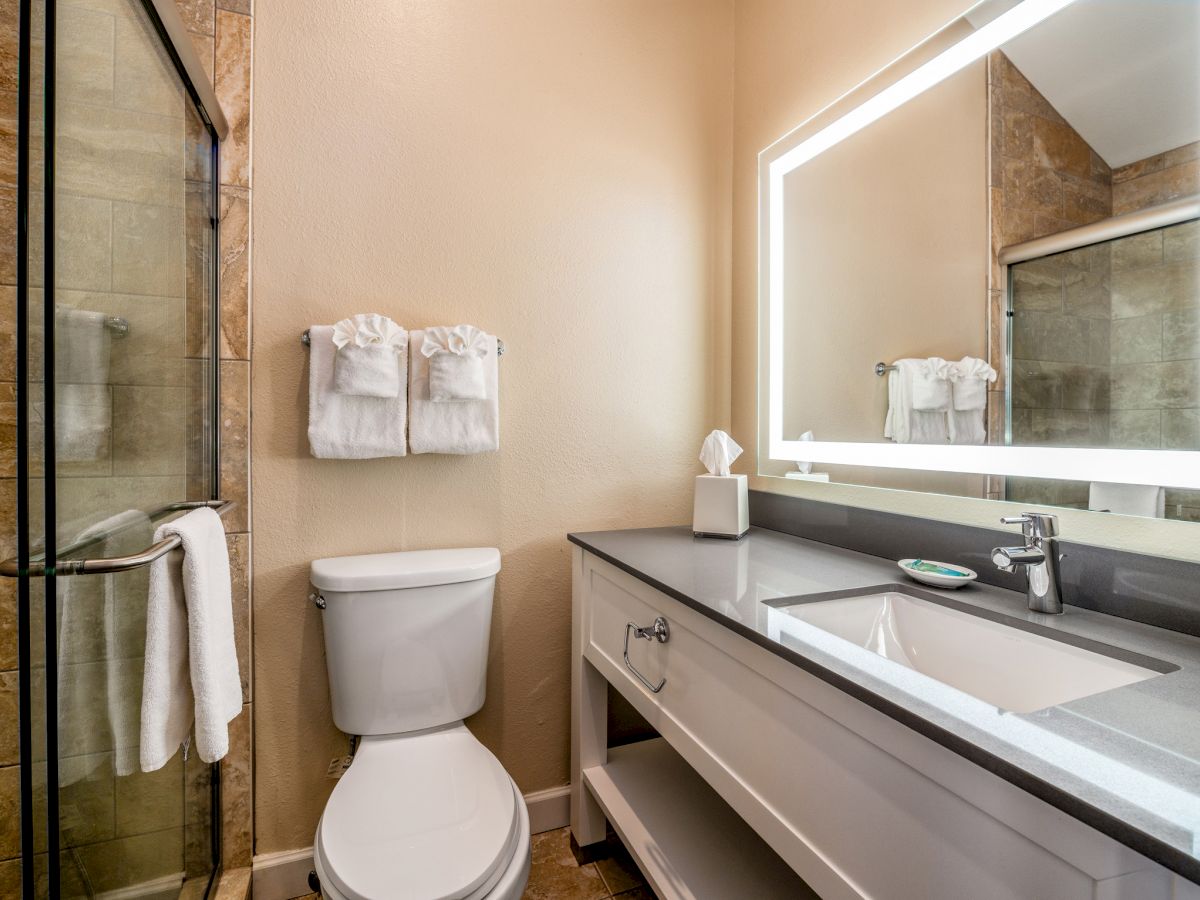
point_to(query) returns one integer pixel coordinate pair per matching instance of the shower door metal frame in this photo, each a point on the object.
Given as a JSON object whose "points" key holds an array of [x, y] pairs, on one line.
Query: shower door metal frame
{"points": [[166, 21]]}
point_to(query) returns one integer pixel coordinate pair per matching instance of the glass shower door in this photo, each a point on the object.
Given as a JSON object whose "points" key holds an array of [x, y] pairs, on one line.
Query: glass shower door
{"points": [[119, 395]]}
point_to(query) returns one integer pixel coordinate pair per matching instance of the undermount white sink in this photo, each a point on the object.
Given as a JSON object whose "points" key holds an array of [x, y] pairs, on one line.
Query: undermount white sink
{"points": [[1000, 664]]}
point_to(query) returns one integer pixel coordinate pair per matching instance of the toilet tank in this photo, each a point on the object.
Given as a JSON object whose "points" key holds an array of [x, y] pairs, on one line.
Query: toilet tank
{"points": [[406, 636]]}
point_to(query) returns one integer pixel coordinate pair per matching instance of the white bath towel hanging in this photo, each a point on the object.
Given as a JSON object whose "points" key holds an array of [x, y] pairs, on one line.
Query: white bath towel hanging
{"points": [[191, 658], [455, 426], [83, 399], [104, 620], [969, 379], [346, 426], [903, 424], [931, 385], [370, 348]]}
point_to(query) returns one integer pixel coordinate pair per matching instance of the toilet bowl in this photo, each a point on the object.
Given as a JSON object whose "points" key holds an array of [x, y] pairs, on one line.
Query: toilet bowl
{"points": [[424, 812]]}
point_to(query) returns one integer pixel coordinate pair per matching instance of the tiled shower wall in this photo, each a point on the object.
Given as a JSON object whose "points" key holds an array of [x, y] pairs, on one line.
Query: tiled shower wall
{"points": [[1105, 339], [1045, 178], [222, 33], [222, 36]]}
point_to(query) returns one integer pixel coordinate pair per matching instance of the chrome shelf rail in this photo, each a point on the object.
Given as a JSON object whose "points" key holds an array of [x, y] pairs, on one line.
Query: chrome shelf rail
{"points": [[306, 340], [104, 565]]}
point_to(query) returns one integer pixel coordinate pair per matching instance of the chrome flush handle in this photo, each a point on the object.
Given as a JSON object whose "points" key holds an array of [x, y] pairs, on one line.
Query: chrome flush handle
{"points": [[660, 632]]}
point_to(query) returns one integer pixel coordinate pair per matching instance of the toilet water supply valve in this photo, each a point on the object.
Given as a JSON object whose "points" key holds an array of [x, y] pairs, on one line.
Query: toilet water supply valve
{"points": [[660, 632], [317, 600]]}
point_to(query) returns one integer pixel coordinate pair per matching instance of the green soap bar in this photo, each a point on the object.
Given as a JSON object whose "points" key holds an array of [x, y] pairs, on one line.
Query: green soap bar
{"points": [[920, 565]]}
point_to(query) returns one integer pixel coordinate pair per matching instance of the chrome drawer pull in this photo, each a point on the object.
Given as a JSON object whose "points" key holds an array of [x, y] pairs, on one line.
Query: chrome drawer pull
{"points": [[660, 632]]}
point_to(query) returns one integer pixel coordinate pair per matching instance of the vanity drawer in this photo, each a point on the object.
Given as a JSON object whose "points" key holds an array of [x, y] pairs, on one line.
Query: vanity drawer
{"points": [[857, 804]]}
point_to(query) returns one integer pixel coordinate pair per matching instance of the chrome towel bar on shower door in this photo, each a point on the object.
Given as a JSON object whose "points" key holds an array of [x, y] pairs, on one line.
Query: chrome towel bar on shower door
{"points": [[104, 565]]}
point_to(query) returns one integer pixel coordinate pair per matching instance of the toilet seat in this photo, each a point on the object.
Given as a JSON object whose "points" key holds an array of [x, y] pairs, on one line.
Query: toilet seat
{"points": [[425, 816]]}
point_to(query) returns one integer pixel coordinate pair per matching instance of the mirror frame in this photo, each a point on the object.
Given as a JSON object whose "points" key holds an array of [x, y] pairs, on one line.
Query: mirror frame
{"points": [[942, 55]]}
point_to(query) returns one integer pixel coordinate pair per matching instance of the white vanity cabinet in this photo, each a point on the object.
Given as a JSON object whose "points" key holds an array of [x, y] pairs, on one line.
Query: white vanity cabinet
{"points": [[765, 772]]}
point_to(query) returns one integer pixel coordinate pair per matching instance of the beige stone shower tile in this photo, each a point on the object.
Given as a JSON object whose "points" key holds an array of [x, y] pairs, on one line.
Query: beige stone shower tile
{"points": [[8, 628], [1181, 242], [120, 154], [147, 249], [236, 809], [1137, 340], [239, 568], [113, 865], [1057, 146], [149, 430], [1135, 429], [1137, 251], [149, 801], [1181, 429], [206, 49], [1171, 286], [235, 442], [1181, 334], [1167, 385], [198, 15], [83, 243], [86, 54], [10, 811], [235, 273], [1084, 200], [1032, 187], [1158, 187], [143, 75], [1036, 290], [238, 6], [10, 751], [233, 66]]}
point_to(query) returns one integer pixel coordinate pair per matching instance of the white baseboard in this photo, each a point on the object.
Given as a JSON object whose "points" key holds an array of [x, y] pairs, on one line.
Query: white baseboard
{"points": [[281, 876], [549, 809]]}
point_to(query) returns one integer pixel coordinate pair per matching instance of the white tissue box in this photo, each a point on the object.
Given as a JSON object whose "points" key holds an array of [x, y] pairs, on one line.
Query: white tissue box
{"points": [[722, 506]]}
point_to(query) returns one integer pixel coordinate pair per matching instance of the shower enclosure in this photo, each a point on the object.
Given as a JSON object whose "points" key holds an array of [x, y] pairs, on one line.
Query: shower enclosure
{"points": [[109, 398], [1104, 347]]}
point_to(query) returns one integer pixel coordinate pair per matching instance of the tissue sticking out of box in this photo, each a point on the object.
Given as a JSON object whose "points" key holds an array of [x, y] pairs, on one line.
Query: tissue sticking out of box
{"points": [[718, 452], [805, 467]]}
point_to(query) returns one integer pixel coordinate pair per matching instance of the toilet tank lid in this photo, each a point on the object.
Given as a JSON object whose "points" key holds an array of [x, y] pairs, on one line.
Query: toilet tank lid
{"points": [[406, 569]]}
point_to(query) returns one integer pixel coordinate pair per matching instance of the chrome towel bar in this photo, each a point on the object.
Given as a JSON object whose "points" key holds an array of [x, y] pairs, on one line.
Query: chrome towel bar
{"points": [[882, 369], [104, 565], [306, 340]]}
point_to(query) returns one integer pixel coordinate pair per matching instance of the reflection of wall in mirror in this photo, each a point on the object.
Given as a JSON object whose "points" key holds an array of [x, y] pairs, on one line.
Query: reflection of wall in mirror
{"points": [[884, 255]]}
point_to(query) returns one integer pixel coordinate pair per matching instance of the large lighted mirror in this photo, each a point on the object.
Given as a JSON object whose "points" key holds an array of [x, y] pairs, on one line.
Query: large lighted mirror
{"points": [[980, 270]]}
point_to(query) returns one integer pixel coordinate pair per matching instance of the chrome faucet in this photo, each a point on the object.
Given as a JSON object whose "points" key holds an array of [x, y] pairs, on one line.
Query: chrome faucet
{"points": [[1039, 558]]}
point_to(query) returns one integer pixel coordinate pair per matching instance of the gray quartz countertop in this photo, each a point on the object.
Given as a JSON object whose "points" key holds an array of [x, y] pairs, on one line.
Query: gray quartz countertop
{"points": [[1125, 761]]}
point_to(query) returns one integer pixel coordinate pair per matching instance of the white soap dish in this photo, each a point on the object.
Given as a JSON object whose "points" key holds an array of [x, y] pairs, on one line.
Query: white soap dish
{"points": [[938, 574]]}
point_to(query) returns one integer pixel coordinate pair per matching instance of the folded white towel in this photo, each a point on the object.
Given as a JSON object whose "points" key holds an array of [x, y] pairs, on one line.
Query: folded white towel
{"points": [[343, 426], [370, 348], [1128, 499], [104, 620], [465, 426], [970, 377], [191, 658], [456, 367], [904, 424], [930, 387]]}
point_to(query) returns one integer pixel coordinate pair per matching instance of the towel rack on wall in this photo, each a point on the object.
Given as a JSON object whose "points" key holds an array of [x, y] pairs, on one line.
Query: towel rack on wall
{"points": [[882, 369], [103, 565], [306, 340]]}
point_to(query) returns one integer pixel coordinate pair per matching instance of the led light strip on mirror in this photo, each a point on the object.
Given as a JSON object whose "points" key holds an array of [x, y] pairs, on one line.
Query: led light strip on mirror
{"points": [[1175, 468]]}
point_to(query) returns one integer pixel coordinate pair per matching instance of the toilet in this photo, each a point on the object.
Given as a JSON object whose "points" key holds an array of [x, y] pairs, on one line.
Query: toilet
{"points": [[424, 811]]}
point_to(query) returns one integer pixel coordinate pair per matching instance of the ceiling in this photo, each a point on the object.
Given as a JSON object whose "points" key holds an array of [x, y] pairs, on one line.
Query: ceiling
{"points": [[1124, 73]]}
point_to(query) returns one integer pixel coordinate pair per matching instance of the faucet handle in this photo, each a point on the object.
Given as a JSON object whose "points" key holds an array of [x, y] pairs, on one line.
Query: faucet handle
{"points": [[1034, 524]]}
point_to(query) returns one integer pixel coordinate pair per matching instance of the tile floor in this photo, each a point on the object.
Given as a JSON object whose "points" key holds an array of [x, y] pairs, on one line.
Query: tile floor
{"points": [[557, 875]]}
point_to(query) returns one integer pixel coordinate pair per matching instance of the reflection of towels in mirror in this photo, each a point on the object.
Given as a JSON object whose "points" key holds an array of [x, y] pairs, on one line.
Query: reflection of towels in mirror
{"points": [[969, 378], [904, 424], [83, 399]]}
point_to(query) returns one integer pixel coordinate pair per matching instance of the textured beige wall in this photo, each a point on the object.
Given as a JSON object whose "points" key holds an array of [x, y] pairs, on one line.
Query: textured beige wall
{"points": [[793, 57], [557, 173]]}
